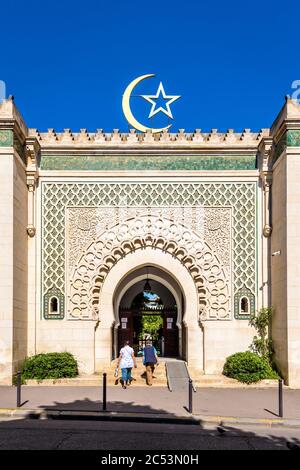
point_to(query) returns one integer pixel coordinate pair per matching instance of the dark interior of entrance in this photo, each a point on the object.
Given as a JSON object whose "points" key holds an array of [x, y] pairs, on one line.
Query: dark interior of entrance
{"points": [[148, 311]]}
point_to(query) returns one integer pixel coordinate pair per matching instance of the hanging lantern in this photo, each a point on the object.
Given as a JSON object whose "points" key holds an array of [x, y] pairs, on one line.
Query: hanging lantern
{"points": [[147, 287]]}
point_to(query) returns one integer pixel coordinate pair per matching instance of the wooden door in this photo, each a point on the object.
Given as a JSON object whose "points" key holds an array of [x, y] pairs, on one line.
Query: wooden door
{"points": [[125, 330], [170, 331]]}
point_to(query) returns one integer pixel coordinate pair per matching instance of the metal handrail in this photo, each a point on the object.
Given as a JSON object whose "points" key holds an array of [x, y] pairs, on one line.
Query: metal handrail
{"points": [[187, 370], [168, 379]]}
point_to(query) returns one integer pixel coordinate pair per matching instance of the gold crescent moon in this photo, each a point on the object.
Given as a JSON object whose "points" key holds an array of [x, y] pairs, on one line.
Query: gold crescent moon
{"points": [[127, 111]]}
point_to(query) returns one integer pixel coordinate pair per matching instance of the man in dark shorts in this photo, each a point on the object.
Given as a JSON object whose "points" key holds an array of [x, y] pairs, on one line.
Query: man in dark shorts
{"points": [[149, 360]]}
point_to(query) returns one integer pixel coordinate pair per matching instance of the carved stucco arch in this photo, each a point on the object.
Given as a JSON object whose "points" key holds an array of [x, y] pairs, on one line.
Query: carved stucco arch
{"points": [[210, 278]]}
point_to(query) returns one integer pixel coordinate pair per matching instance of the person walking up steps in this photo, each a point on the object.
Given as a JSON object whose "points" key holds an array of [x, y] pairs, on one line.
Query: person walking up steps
{"points": [[150, 359], [126, 361]]}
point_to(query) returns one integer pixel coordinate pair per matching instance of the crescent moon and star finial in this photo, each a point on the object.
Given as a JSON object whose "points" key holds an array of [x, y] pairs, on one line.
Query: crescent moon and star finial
{"points": [[152, 100]]}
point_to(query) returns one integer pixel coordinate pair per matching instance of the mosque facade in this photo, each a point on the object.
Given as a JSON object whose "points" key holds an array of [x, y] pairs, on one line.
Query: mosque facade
{"points": [[210, 221]]}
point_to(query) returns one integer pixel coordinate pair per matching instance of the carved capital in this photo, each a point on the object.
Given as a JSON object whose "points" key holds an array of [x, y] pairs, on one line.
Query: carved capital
{"points": [[267, 180], [32, 151], [31, 182], [96, 313], [31, 231], [267, 230], [202, 316]]}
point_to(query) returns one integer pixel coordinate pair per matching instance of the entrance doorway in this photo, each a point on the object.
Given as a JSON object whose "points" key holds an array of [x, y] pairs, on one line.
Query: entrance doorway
{"points": [[131, 272], [148, 311]]}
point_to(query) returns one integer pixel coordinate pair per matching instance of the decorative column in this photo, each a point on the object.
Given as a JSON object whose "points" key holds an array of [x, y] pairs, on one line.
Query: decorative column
{"points": [[32, 153], [266, 180], [31, 229]]}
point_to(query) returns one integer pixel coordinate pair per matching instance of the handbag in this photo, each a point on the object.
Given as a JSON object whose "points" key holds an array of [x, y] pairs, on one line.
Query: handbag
{"points": [[116, 372]]}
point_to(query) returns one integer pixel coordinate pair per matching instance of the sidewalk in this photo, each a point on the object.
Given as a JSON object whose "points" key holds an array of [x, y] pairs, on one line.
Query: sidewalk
{"points": [[254, 406]]}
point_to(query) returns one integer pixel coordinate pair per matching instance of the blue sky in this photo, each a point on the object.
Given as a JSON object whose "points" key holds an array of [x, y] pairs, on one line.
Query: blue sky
{"points": [[68, 63]]}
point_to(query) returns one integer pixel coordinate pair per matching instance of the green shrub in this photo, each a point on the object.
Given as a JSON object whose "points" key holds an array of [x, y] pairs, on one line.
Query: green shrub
{"points": [[248, 367], [50, 366], [262, 344]]}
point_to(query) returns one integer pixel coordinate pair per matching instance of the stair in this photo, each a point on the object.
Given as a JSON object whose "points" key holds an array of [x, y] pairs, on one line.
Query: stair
{"points": [[139, 374], [95, 380], [221, 381]]}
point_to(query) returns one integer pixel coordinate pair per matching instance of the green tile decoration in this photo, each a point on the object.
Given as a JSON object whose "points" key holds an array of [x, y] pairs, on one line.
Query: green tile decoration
{"points": [[20, 148], [290, 138], [279, 148], [161, 162], [244, 292], [54, 292], [6, 138], [293, 138]]}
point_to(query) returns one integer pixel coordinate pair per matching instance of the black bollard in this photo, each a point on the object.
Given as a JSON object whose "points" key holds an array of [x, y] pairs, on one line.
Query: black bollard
{"points": [[190, 396], [104, 392], [280, 398], [19, 383]]}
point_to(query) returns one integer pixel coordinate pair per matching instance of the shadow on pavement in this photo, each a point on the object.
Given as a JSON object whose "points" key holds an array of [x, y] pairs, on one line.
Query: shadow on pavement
{"points": [[65, 434]]}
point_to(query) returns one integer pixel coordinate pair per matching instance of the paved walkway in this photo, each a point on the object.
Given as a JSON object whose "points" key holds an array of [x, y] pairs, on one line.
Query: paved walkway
{"points": [[241, 403]]}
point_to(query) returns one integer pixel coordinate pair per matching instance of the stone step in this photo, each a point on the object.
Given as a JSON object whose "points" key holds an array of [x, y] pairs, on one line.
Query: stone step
{"points": [[221, 381], [139, 374], [83, 381], [160, 380], [95, 380]]}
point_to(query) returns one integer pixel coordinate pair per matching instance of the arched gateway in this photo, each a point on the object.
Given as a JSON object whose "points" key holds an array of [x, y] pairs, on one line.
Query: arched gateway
{"points": [[165, 269], [151, 308], [140, 317], [180, 259]]}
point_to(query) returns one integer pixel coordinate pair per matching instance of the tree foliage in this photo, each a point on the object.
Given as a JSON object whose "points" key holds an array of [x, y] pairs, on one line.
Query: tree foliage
{"points": [[262, 343], [151, 324]]}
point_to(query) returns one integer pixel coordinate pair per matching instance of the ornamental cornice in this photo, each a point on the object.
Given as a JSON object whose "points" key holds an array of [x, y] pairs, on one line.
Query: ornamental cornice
{"points": [[133, 139], [149, 151], [33, 160], [265, 155], [33, 152]]}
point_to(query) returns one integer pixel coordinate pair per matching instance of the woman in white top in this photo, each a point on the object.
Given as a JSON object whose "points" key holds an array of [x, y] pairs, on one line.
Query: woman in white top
{"points": [[126, 361]]}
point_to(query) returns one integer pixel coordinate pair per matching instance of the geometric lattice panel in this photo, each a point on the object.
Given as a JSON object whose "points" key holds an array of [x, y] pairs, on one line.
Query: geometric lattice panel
{"points": [[56, 197]]}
